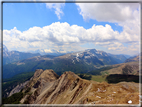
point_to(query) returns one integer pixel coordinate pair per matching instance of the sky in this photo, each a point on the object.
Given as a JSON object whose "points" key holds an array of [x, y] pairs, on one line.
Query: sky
{"points": [[67, 27]]}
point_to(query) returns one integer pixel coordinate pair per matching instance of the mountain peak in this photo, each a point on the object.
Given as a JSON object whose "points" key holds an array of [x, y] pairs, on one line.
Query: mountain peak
{"points": [[48, 74], [41, 77], [68, 75], [37, 73], [5, 48]]}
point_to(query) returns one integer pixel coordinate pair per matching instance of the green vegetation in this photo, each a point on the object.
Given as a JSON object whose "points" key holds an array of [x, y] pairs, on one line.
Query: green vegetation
{"points": [[14, 99], [67, 65], [60, 64], [97, 75], [115, 78], [99, 71], [21, 77], [9, 84], [84, 76], [28, 89], [104, 73], [56, 64], [98, 78]]}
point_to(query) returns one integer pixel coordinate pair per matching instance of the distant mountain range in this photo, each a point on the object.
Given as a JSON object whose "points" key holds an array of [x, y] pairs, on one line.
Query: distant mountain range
{"points": [[78, 62], [134, 58], [52, 52], [12, 56]]}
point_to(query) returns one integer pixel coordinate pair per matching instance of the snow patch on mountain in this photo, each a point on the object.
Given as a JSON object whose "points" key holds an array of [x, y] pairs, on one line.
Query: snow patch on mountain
{"points": [[77, 55], [73, 61], [87, 57]]}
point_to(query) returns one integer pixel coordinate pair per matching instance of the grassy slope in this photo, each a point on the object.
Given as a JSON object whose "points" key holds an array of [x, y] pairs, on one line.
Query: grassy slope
{"points": [[98, 78], [118, 68]]}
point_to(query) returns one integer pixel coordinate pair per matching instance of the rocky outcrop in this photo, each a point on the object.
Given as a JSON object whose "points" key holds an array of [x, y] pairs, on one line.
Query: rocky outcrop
{"points": [[46, 87], [41, 78], [18, 88], [129, 68]]}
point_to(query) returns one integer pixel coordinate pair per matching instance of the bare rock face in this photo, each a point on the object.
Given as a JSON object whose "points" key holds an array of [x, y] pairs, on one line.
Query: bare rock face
{"points": [[18, 88], [40, 77], [48, 88], [40, 80], [37, 73]]}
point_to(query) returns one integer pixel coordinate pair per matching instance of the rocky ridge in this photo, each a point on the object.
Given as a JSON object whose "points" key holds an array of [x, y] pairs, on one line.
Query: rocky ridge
{"points": [[46, 87]]}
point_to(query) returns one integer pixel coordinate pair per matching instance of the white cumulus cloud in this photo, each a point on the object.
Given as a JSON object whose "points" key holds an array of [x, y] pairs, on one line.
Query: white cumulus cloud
{"points": [[57, 8], [62, 36], [126, 15], [111, 12]]}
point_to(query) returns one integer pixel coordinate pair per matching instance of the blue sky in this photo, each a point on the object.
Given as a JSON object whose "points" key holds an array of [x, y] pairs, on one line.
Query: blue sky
{"points": [[71, 27], [26, 15]]}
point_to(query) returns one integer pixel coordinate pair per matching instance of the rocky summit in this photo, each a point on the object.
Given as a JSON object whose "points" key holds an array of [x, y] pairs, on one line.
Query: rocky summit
{"points": [[46, 87]]}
